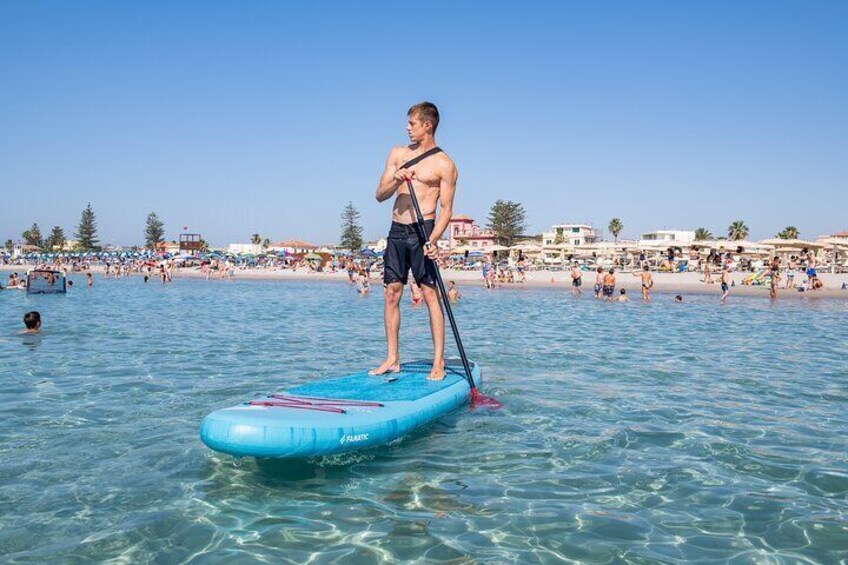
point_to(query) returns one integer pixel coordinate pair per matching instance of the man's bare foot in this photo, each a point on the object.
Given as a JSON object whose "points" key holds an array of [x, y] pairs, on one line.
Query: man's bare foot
{"points": [[437, 374], [388, 366]]}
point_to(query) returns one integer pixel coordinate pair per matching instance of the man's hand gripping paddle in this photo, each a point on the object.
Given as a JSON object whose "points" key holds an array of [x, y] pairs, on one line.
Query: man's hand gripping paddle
{"points": [[477, 398]]}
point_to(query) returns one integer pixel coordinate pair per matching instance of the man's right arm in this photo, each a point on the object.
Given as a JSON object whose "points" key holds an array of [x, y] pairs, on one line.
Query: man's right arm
{"points": [[389, 182]]}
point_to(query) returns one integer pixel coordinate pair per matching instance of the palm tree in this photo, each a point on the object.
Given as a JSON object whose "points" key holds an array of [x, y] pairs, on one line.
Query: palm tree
{"points": [[737, 230], [789, 232], [615, 227], [256, 239], [266, 243], [703, 234]]}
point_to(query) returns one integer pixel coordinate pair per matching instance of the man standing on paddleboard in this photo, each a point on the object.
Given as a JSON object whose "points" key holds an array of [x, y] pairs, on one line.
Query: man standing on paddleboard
{"points": [[433, 175]]}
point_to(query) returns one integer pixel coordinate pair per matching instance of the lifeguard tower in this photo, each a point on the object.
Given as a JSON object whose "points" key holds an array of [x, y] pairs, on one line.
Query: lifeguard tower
{"points": [[190, 243]]}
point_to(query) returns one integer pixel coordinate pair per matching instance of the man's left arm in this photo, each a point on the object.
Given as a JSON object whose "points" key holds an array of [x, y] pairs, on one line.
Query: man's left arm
{"points": [[447, 190]]}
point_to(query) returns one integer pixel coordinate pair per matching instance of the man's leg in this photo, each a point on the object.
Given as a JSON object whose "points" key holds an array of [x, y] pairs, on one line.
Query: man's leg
{"points": [[437, 329], [391, 318]]}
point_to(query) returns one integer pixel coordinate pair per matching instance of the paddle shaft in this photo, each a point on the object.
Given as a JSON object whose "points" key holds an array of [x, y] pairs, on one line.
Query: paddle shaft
{"points": [[424, 237]]}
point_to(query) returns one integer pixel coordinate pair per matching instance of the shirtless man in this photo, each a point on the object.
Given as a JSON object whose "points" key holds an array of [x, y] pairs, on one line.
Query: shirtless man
{"points": [[790, 272], [434, 180], [609, 284], [647, 282], [599, 282], [576, 281]]}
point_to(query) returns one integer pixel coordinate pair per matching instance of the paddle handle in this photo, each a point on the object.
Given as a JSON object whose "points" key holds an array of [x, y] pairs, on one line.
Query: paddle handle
{"points": [[424, 237]]}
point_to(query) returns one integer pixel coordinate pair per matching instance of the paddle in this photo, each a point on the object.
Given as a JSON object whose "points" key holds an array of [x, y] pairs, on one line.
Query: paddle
{"points": [[477, 398]]}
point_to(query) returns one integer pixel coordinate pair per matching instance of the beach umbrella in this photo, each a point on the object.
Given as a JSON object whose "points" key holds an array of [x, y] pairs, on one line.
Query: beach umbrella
{"points": [[527, 247], [779, 242], [368, 252], [834, 241], [313, 257]]}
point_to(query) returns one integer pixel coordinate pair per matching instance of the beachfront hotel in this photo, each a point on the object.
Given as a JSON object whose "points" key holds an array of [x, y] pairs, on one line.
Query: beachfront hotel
{"points": [[668, 237], [569, 234]]}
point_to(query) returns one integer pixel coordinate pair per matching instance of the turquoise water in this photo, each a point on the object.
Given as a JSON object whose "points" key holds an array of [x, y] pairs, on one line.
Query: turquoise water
{"points": [[631, 433]]}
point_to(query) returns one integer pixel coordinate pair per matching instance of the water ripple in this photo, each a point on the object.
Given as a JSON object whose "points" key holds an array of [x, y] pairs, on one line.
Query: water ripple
{"points": [[631, 433]]}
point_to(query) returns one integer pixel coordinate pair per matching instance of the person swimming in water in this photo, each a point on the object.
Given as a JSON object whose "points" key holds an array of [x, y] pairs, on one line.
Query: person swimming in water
{"points": [[622, 297], [363, 286], [32, 321], [415, 295], [453, 294]]}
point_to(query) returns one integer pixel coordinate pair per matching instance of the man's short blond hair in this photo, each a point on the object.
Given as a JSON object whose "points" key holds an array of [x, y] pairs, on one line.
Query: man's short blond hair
{"points": [[426, 112]]}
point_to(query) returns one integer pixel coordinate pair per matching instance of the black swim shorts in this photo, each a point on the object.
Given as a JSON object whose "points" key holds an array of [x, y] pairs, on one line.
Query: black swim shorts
{"points": [[404, 253]]}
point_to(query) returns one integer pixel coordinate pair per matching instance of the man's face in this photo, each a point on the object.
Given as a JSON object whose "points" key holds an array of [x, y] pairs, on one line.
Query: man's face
{"points": [[416, 129]]}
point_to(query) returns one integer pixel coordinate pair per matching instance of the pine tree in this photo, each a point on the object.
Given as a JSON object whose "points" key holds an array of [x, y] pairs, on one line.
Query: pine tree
{"points": [[351, 237], [507, 221], [154, 231], [55, 239], [87, 230], [32, 236]]}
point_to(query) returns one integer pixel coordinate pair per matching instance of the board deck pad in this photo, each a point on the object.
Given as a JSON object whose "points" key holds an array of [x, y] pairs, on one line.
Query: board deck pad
{"points": [[411, 384]]}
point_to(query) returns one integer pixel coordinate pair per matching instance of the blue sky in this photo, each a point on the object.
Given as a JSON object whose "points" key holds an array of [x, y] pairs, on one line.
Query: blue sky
{"points": [[236, 118]]}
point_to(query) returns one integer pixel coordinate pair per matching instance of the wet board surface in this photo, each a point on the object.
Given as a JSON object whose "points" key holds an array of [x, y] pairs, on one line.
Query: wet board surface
{"points": [[340, 414]]}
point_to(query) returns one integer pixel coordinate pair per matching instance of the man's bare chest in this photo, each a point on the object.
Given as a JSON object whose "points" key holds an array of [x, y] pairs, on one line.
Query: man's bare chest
{"points": [[426, 173]]}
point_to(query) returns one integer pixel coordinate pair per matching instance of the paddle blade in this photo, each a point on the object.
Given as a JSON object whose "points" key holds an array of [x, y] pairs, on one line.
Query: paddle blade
{"points": [[479, 400]]}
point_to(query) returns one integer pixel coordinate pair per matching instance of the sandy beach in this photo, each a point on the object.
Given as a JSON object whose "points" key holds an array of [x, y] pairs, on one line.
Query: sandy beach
{"points": [[664, 283]]}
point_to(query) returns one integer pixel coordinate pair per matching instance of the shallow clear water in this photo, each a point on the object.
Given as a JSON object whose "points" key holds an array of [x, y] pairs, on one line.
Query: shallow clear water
{"points": [[631, 433]]}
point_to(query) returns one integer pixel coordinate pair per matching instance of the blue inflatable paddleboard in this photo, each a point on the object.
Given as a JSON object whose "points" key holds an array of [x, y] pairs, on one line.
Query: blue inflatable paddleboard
{"points": [[338, 415]]}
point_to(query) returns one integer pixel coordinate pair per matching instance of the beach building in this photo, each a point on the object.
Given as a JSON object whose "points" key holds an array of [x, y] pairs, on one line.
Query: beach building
{"points": [[294, 246], [462, 231], [570, 234], [667, 237], [22, 248], [170, 247], [240, 248], [377, 246]]}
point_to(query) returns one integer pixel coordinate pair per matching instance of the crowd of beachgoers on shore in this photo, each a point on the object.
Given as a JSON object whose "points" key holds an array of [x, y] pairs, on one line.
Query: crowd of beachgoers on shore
{"points": [[730, 272]]}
